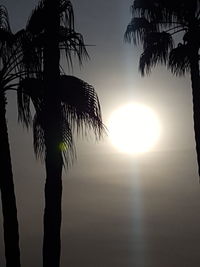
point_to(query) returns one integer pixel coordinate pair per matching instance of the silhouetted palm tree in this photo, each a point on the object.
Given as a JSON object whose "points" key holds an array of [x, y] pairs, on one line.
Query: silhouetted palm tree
{"points": [[9, 72], [80, 111], [61, 103], [154, 24]]}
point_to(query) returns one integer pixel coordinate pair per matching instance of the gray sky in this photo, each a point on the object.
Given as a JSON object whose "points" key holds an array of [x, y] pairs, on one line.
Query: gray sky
{"points": [[118, 210]]}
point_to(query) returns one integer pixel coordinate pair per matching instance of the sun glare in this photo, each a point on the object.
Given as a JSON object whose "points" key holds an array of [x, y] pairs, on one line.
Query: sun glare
{"points": [[134, 128]]}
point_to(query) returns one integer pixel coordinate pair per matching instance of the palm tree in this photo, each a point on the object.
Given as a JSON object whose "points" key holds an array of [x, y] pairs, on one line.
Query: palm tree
{"points": [[157, 24], [9, 72], [62, 103], [80, 111]]}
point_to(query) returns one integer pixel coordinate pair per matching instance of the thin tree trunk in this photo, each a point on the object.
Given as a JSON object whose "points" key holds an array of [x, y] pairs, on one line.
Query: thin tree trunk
{"points": [[10, 222], [194, 66], [53, 160]]}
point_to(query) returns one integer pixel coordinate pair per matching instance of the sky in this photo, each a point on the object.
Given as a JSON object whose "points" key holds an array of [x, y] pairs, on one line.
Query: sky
{"points": [[118, 209]]}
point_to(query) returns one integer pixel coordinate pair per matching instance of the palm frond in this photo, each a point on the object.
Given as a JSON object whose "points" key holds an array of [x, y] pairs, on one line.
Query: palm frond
{"points": [[36, 21], [165, 12], [179, 60], [66, 14], [146, 8], [81, 105], [153, 10], [162, 40], [23, 102], [73, 44], [31, 51], [29, 89], [137, 30], [38, 136], [66, 143], [157, 46], [4, 19], [6, 36], [22, 59]]}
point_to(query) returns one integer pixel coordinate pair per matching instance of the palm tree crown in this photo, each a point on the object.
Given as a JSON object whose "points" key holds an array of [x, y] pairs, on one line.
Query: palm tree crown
{"points": [[155, 23], [78, 100], [158, 25]]}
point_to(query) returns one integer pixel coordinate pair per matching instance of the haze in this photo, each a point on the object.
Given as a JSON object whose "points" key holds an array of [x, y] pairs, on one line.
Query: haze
{"points": [[118, 210]]}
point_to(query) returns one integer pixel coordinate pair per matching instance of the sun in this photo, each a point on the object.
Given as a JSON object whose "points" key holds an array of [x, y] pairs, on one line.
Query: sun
{"points": [[134, 128]]}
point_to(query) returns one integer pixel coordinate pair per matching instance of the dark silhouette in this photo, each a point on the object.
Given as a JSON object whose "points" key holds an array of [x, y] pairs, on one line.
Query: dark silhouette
{"points": [[9, 72], [154, 24], [62, 103], [53, 137]]}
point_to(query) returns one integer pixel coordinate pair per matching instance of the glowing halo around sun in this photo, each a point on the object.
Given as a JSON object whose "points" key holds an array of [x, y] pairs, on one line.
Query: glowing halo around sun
{"points": [[134, 128]]}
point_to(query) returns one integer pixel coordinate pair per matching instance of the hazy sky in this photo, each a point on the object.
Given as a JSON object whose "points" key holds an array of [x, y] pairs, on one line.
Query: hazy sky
{"points": [[118, 210]]}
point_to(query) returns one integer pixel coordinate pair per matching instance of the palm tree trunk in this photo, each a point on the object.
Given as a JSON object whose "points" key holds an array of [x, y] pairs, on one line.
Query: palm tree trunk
{"points": [[52, 214], [10, 222], [53, 160], [195, 79]]}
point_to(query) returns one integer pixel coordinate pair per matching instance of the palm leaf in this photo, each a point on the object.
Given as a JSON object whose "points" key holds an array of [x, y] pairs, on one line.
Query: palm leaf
{"points": [[12, 54], [81, 104], [30, 53], [66, 142], [36, 21], [137, 30], [146, 8], [23, 102], [4, 19], [38, 136], [164, 12], [6, 37], [29, 89], [179, 60], [157, 46], [66, 14], [73, 44]]}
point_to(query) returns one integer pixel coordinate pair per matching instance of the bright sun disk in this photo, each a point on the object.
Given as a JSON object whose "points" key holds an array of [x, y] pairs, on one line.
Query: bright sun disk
{"points": [[134, 128]]}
